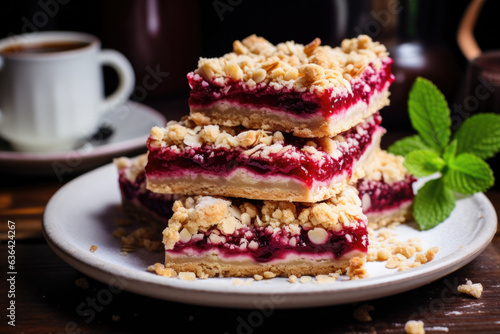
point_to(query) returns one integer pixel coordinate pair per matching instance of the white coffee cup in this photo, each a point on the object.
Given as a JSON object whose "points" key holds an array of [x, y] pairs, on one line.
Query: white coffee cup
{"points": [[52, 99]]}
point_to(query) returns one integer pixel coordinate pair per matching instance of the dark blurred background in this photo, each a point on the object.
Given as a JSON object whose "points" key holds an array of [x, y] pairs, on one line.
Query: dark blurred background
{"points": [[170, 35]]}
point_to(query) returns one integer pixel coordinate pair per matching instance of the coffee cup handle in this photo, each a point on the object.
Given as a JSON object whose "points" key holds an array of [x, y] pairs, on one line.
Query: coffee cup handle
{"points": [[126, 78]]}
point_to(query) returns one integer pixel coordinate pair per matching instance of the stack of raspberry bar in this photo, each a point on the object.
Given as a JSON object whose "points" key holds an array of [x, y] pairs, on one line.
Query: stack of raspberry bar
{"points": [[270, 170]]}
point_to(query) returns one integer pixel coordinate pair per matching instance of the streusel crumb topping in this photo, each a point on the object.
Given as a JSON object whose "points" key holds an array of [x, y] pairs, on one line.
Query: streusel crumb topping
{"points": [[257, 143], [194, 215], [132, 167], [357, 268], [385, 166], [255, 60]]}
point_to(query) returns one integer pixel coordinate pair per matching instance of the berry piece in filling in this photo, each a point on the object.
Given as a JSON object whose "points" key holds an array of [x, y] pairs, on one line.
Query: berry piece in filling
{"points": [[256, 164], [310, 91], [234, 237], [386, 190]]}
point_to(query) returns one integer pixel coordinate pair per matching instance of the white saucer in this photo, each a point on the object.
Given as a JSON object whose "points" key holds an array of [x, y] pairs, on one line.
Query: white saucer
{"points": [[131, 123], [84, 213]]}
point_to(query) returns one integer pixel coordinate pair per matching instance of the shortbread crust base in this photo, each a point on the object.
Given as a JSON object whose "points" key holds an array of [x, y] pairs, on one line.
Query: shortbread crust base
{"points": [[230, 114], [213, 266]]}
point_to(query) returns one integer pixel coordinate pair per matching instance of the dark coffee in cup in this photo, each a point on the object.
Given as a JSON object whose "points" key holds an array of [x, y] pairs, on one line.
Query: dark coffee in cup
{"points": [[49, 47]]}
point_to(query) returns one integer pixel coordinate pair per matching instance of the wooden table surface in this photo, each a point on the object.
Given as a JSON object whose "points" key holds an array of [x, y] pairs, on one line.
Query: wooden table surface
{"points": [[47, 298]]}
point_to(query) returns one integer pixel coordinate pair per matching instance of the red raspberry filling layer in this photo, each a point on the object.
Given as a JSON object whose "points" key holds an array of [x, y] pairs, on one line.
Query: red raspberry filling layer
{"points": [[384, 196], [293, 163], [275, 246], [204, 94], [160, 204]]}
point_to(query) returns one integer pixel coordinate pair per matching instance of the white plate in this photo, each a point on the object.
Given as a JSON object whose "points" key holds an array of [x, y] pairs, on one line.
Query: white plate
{"points": [[131, 122], [84, 211]]}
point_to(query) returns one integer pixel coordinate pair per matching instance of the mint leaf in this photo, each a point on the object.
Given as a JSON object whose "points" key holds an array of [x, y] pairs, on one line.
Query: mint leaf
{"points": [[468, 174], [429, 114], [449, 152], [423, 162], [433, 204], [459, 162], [407, 145], [479, 135]]}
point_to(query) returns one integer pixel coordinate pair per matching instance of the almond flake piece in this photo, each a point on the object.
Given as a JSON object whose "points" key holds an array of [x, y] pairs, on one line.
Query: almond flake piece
{"points": [[269, 274], [318, 235], [187, 276], [305, 279], [325, 279]]}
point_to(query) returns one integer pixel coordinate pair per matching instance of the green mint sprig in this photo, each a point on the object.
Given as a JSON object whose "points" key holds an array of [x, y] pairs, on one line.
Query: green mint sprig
{"points": [[458, 159]]}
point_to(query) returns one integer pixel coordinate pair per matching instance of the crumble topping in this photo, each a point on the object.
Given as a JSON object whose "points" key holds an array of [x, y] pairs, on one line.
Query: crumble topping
{"points": [[385, 247], [385, 166], [131, 167], [357, 269], [255, 61], [186, 134], [474, 290], [414, 327], [93, 248], [257, 143], [161, 270], [200, 213]]}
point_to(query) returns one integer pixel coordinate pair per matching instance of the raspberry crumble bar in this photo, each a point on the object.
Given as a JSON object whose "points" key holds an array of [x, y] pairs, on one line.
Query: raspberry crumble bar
{"points": [[386, 191], [310, 91], [238, 238], [256, 164], [137, 201]]}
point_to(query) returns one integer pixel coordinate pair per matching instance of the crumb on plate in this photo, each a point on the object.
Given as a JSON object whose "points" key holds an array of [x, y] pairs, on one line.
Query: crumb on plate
{"points": [[242, 282], [305, 279], [473, 289], [187, 276], [414, 327]]}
